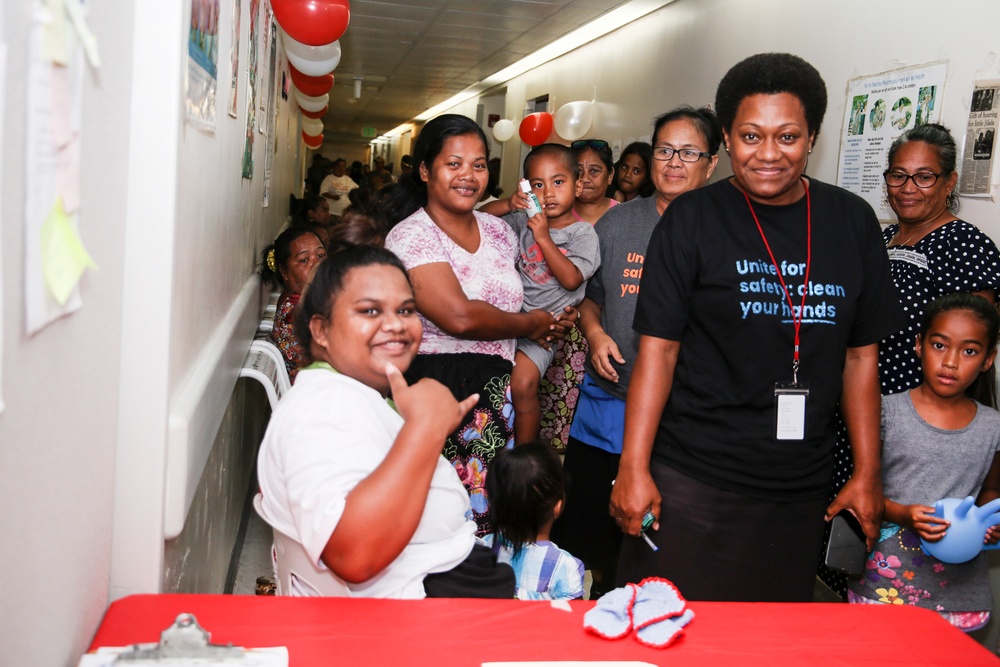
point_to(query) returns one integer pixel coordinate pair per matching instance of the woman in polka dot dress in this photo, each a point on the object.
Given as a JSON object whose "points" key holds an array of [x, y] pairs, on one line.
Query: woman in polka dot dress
{"points": [[931, 253]]}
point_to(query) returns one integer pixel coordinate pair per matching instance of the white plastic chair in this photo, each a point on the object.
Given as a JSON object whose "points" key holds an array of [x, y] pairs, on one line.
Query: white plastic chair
{"points": [[272, 351], [295, 573], [260, 366]]}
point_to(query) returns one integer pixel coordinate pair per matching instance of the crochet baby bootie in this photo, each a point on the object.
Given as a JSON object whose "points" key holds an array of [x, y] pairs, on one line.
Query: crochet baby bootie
{"points": [[660, 634], [658, 613], [611, 617], [656, 599]]}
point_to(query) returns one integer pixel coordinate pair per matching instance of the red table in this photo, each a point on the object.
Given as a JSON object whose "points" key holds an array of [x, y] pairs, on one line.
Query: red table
{"points": [[340, 631]]}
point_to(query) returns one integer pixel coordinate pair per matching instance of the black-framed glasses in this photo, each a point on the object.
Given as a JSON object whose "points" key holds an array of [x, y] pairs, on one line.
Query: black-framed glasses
{"points": [[664, 153], [922, 179], [596, 144]]}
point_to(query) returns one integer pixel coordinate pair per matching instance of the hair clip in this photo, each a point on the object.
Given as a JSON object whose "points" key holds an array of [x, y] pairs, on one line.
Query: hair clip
{"points": [[270, 261]]}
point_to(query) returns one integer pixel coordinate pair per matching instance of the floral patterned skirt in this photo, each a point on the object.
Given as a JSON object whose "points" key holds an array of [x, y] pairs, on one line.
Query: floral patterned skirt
{"points": [[559, 389], [486, 429]]}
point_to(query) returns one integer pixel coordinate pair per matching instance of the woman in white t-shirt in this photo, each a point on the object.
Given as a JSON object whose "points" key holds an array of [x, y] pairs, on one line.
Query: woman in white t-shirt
{"points": [[469, 293], [355, 479]]}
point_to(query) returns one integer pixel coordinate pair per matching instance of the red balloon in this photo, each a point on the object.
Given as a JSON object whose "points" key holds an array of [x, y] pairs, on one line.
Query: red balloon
{"points": [[312, 142], [314, 114], [314, 86], [535, 128], [313, 22]]}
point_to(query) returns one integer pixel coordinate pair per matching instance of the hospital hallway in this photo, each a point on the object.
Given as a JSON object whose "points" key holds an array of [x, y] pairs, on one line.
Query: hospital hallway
{"points": [[151, 151]]}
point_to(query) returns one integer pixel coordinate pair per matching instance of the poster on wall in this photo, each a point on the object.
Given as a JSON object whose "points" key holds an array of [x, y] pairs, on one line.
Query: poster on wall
{"points": [[251, 89], [980, 140], [203, 60], [879, 108], [234, 57], [55, 258], [267, 116], [266, 72]]}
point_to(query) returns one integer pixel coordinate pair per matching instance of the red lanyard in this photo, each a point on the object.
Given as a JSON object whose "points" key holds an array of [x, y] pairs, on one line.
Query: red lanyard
{"points": [[796, 317]]}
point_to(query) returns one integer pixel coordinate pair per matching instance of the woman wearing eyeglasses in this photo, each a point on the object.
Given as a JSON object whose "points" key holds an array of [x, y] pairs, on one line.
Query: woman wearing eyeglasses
{"points": [[683, 157], [931, 253], [762, 301]]}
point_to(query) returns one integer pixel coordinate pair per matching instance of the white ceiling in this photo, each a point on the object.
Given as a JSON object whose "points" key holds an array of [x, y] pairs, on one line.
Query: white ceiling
{"points": [[418, 53]]}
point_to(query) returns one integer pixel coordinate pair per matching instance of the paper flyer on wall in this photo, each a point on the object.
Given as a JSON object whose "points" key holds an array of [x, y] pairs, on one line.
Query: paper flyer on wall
{"points": [[234, 58], [980, 140], [252, 47], [879, 108], [203, 64], [55, 258]]}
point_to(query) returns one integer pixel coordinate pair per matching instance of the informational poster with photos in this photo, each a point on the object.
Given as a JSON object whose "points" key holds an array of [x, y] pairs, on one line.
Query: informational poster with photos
{"points": [[251, 89], [203, 64], [980, 140], [879, 108]]}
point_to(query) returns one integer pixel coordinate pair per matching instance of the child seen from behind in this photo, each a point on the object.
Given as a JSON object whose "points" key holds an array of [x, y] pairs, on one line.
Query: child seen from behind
{"points": [[940, 440], [526, 491], [558, 255]]}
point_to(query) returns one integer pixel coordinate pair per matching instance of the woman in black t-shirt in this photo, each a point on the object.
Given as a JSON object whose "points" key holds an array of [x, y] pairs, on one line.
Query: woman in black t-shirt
{"points": [[765, 278]]}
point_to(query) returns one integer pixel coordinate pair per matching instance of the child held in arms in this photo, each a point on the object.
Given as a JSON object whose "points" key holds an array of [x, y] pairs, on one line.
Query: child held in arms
{"points": [[558, 254]]}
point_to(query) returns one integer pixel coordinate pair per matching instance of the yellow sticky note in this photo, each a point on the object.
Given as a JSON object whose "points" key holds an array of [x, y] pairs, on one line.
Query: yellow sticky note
{"points": [[64, 259], [55, 36]]}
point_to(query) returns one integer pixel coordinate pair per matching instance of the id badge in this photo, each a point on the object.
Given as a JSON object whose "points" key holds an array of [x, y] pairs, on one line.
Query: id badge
{"points": [[790, 410]]}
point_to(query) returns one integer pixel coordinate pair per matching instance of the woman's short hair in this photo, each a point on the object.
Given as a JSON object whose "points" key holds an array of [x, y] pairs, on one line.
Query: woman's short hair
{"points": [[939, 138], [771, 74], [704, 119], [328, 282], [275, 257]]}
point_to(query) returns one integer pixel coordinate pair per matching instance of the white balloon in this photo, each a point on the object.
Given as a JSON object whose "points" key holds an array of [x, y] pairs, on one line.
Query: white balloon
{"points": [[310, 103], [503, 129], [312, 126], [574, 119], [311, 60]]}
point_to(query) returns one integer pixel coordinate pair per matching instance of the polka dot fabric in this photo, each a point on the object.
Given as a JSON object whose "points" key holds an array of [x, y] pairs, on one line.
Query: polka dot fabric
{"points": [[955, 257]]}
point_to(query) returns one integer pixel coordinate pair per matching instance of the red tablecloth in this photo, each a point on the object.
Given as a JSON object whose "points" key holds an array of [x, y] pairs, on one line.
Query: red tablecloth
{"points": [[339, 631]]}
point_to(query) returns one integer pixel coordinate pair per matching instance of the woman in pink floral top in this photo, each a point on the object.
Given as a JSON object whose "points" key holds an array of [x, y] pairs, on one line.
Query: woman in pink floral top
{"points": [[290, 262], [461, 264]]}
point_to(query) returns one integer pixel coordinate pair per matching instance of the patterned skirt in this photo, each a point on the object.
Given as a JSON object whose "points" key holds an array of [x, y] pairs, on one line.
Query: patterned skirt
{"points": [[559, 390], [486, 429]]}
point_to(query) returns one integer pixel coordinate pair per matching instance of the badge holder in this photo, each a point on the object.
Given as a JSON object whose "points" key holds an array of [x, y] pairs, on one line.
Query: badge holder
{"points": [[790, 400]]}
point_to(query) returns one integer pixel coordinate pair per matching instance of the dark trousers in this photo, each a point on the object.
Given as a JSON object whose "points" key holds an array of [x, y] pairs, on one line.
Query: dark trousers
{"points": [[720, 545]]}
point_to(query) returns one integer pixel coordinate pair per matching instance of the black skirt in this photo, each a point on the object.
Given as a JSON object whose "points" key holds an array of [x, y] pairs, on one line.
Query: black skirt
{"points": [[486, 429]]}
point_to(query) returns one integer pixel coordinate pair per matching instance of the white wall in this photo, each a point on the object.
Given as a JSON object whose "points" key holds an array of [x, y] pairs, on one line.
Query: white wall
{"points": [[196, 229], [678, 54], [60, 386], [177, 234]]}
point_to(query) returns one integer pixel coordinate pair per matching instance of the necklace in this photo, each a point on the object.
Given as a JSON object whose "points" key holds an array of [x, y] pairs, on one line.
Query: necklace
{"points": [[919, 231]]}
